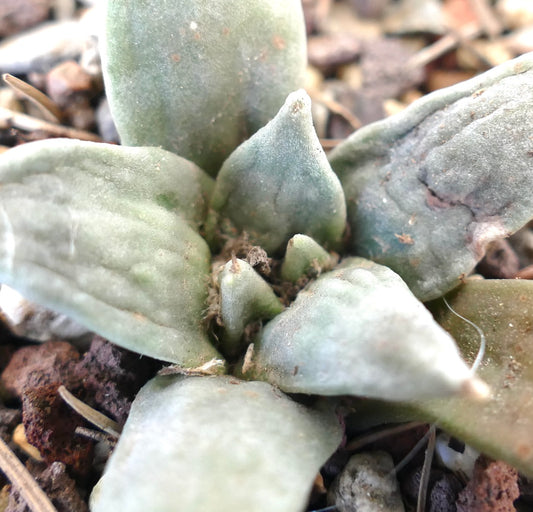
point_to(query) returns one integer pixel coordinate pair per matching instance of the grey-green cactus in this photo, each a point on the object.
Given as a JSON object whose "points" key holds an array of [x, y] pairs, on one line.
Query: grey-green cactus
{"points": [[115, 237]]}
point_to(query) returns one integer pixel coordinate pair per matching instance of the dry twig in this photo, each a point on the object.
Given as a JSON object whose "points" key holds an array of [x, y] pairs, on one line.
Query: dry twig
{"points": [[48, 108], [443, 45], [10, 118], [91, 415], [20, 477]]}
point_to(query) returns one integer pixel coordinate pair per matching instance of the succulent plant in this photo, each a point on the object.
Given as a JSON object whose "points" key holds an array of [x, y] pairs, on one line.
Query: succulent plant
{"points": [[246, 226]]}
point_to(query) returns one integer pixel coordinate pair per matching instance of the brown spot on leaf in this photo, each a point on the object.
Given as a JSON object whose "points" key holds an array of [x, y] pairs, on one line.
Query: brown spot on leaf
{"points": [[405, 238], [140, 317], [523, 451], [176, 57], [279, 42]]}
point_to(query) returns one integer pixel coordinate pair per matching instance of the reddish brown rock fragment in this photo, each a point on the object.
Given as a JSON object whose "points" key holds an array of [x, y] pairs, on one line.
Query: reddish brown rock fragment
{"points": [[50, 426], [50, 362], [493, 488]]}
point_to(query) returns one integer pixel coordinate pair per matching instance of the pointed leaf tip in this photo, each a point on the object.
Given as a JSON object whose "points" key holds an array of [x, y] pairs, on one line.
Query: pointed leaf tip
{"points": [[358, 330], [279, 183]]}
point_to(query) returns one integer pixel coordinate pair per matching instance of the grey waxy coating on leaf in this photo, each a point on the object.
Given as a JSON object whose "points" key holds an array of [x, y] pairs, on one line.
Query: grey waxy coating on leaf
{"points": [[429, 188], [99, 232], [198, 77], [244, 297], [279, 183], [358, 330], [215, 443]]}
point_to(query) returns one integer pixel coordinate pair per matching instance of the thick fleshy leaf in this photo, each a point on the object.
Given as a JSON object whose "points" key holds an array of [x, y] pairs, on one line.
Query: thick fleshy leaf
{"points": [[358, 330], [429, 188], [244, 297], [197, 77], [503, 426], [103, 233], [279, 183], [304, 256], [215, 444]]}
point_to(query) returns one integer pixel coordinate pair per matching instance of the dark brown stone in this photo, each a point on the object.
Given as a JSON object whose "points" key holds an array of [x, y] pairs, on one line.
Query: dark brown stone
{"points": [[60, 488]]}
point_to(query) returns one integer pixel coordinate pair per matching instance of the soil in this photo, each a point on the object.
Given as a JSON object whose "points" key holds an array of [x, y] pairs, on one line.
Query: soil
{"points": [[357, 76]]}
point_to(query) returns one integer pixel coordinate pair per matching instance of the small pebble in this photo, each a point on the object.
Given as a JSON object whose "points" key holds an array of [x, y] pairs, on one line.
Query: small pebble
{"points": [[367, 484], [90, 59], [522, 244], [65, 80], [383, 64], [443, 489], [327, 52], [51, 362], [362, 103], [315, 12], [19, 15]]}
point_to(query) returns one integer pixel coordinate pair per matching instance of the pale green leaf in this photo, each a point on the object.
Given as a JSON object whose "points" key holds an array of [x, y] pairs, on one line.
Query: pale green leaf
{"points": [[215, 444], [358, 330], [429, 188], [279, 183], [501, 427], [103, 233], [244, 297], [197, 77], [304, 257]]}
